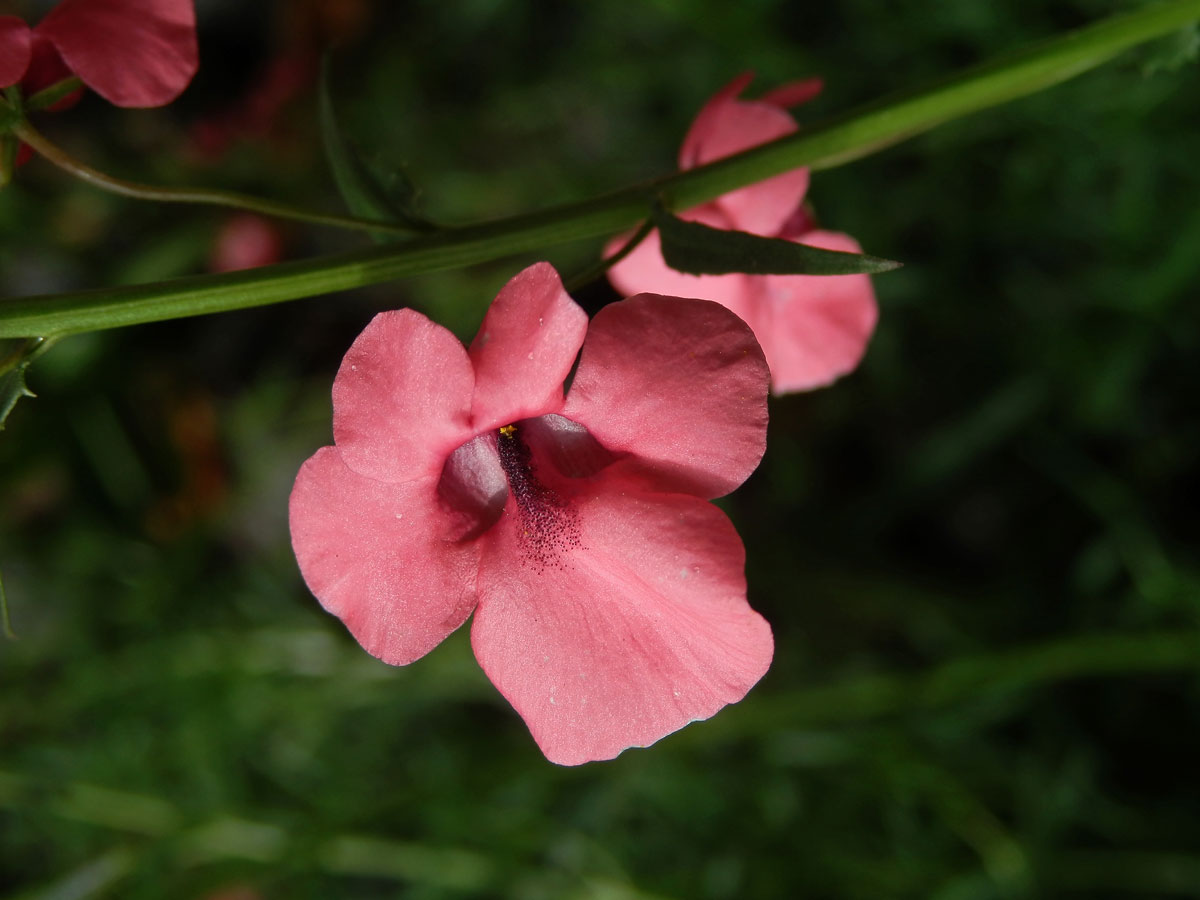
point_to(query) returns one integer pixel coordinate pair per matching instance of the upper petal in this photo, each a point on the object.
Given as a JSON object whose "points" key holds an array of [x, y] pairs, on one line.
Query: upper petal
{"points": [[793, 93], [16, 47], [46, 68], [726, 126], [813, 328], [402, 398], [708, 119], [525, 348], [130, 52], [679, 384], [641, 630], [373, 554]]}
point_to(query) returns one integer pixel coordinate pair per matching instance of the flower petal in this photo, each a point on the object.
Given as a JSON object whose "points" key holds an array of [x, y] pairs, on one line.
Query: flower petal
{"points": [[16, 48], [642, 630], [645, 271], [525, 348], [46, 68], [130, 52], [679, 384], [402, 398], [245, 241], [726, 126], [708, 120], [372, 553], [794, 93], [813, 328]]}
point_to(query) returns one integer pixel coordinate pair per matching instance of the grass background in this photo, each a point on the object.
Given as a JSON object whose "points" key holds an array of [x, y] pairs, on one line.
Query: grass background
{"points": [[978, 552]]}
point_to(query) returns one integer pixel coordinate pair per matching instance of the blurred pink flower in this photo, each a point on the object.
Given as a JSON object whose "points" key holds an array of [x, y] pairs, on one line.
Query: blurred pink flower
{"points": [[813, 329], [609, 595], [245, 241], [135, 53]]}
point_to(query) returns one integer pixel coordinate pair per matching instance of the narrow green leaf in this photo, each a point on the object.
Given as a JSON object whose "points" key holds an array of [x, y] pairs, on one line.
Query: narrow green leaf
{"points": [[700, 250], [364, 193]]}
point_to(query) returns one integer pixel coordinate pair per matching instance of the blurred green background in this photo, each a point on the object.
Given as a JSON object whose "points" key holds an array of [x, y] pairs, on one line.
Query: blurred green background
{"points": [[978, 552]]}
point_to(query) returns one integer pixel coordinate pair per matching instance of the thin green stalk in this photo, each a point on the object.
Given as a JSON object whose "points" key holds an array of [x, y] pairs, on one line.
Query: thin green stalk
{"points": [[22, 355], [59, 157], [47, 97], [591, 273], [841, 140], [12, 108], [14, 358]]}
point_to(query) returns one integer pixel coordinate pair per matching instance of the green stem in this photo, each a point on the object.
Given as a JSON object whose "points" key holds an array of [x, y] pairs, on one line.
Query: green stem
{"points": [[841, 140], [68, 163], [23, 355]]}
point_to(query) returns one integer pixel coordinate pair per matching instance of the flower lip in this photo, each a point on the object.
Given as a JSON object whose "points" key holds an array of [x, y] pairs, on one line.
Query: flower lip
{"points": [[567, 446], [472, 489], [609, 596], [547, 523], [540, 462]]}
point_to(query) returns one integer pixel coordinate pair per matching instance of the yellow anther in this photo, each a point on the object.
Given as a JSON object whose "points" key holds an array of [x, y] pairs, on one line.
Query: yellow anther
{"points": [[508, 430]]}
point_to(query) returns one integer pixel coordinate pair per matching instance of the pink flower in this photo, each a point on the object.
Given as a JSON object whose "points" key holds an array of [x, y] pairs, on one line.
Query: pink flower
{"points": [[245, 241], [131, 52], [813, 329], [609, 597]]}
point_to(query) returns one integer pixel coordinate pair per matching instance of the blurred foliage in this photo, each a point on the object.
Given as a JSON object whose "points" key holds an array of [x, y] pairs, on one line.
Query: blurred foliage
{"points": [[978, 552]]}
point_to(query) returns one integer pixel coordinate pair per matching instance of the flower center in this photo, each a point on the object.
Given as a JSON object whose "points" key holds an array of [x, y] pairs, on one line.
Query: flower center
{"points": [[543, 463], [548, 523]]}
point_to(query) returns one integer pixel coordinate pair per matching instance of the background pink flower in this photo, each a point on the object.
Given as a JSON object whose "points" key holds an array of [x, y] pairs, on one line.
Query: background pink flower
{"points": [[135, 53], [609, 595], [813, 329], [245, 241]]}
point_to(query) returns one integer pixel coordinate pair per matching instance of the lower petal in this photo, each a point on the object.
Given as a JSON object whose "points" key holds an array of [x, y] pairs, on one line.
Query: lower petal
{"points": [[644, 271], [641, 629], [373, 553], [813, 328]]}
